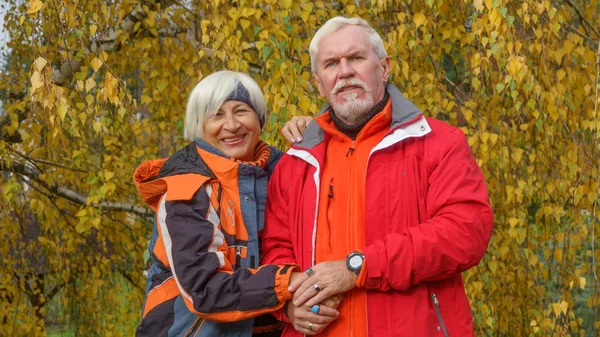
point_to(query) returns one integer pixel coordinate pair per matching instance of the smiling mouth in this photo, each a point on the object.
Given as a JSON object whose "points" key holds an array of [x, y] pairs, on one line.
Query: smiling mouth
{"points": [[232, 139]]}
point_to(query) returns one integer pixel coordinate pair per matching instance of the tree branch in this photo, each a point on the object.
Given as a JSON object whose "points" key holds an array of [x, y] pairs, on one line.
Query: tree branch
{"points": [[97, 248], [6, 120], [62, 73], [594, 215], [454, 86], [35, 161], [73, 196], [58, 287], [167, 2], [582, 17]]}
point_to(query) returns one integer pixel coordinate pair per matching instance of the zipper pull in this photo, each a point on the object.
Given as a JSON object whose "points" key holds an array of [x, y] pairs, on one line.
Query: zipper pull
{"points": [[350, 151], [435, 300], [330, 195]]}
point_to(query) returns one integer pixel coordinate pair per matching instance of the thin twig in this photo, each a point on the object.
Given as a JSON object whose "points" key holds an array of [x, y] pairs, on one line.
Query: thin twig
{"points": [[454, 86], [594, 216], [34, 161], [588, 159], [178, 3], [576, 31], [582, 17]]}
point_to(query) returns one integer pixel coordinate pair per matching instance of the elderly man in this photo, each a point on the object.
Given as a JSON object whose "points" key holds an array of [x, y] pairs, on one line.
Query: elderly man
{"points": [[377, 202]]}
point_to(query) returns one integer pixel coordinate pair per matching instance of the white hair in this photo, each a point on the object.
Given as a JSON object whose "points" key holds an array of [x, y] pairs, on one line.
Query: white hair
{"points": [[337, 23], [211, 92]]}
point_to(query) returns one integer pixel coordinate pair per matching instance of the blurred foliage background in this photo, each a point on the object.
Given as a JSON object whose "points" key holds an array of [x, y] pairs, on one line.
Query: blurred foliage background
{"points": [[89, 89]]}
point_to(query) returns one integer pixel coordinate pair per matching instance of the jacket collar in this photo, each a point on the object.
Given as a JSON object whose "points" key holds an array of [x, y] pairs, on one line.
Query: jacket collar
{"points": [[404, 112], [269, 167], [150, 176]]}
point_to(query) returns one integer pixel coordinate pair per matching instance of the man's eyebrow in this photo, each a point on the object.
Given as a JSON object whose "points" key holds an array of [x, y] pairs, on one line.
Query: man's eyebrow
{"points": [[350, 54], [330, 58]]}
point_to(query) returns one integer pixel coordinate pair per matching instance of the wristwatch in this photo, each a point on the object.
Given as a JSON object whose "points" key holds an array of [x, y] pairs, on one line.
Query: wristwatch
{"points": [[354, 261]]}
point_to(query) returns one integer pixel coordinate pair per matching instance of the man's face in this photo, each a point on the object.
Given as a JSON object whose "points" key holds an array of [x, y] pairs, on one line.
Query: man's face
{"points": [[349, 73]]}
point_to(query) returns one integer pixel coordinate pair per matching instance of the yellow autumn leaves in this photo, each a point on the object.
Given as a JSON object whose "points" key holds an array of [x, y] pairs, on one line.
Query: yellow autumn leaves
{"points": [[520, 78]]}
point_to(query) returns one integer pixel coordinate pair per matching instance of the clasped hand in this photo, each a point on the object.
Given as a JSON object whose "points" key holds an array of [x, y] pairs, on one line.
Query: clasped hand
{"points": [[319, 289]]}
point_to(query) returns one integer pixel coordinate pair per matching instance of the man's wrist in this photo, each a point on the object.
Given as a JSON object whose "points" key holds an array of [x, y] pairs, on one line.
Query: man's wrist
{"points": [[354, 275]]}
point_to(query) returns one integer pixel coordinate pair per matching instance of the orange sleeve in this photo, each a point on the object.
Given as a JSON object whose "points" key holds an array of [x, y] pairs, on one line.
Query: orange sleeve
{"points": [[362, 276]]}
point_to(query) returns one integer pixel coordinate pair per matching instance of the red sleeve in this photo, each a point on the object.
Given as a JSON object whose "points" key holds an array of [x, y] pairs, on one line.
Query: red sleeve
{"points": [[454, 238], [276, 236]]}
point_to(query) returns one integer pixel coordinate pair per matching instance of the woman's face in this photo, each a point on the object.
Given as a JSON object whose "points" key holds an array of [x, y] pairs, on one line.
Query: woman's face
{"points": [[233, 130]]}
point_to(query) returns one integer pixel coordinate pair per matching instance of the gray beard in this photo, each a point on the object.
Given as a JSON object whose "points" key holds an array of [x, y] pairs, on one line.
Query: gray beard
{"points": [[353, 110]]}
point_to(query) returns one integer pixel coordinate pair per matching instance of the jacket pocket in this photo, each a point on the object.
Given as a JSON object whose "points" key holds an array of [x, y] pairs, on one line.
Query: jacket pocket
{"points": [[436, 306]]}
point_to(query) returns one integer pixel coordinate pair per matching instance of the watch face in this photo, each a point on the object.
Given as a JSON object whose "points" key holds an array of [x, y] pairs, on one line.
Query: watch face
{"points": [[355, 261]]}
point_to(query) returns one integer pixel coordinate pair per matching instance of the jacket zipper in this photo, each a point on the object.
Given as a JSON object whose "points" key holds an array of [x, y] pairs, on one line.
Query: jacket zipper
{"points": [[195, 327], [436, 306], [350, 236], [327, 215], [317, 167], [238, 256]]}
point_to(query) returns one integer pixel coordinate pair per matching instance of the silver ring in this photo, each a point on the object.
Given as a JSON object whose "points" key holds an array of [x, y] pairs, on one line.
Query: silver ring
{"points": [[309, 271], [310, 326], [317, 288]]}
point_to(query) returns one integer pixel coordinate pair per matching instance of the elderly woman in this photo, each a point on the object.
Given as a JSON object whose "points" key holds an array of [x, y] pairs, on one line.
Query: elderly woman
{"points": [[209, 200]]}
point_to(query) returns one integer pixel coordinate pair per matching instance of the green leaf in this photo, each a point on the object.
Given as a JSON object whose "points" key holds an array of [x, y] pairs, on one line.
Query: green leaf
{"points": [[266, 51], [282, 46], [539, 124], [503, 11], [499, 87]]}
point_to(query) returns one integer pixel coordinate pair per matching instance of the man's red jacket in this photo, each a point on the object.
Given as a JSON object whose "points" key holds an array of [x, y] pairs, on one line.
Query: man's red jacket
{"points": [[428, 218]]}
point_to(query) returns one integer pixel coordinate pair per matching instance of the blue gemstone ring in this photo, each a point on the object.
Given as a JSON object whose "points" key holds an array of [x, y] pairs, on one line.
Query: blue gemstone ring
{"points": [[315, 308]]}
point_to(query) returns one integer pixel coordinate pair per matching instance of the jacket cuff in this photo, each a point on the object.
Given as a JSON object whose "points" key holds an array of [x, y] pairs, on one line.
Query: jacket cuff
{"points": [[280, 314], [282, 281], [371, 269], [362, 276]]}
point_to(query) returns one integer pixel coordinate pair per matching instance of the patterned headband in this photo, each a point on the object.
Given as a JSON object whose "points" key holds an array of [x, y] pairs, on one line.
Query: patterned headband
{"points": [[241, 94]]}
